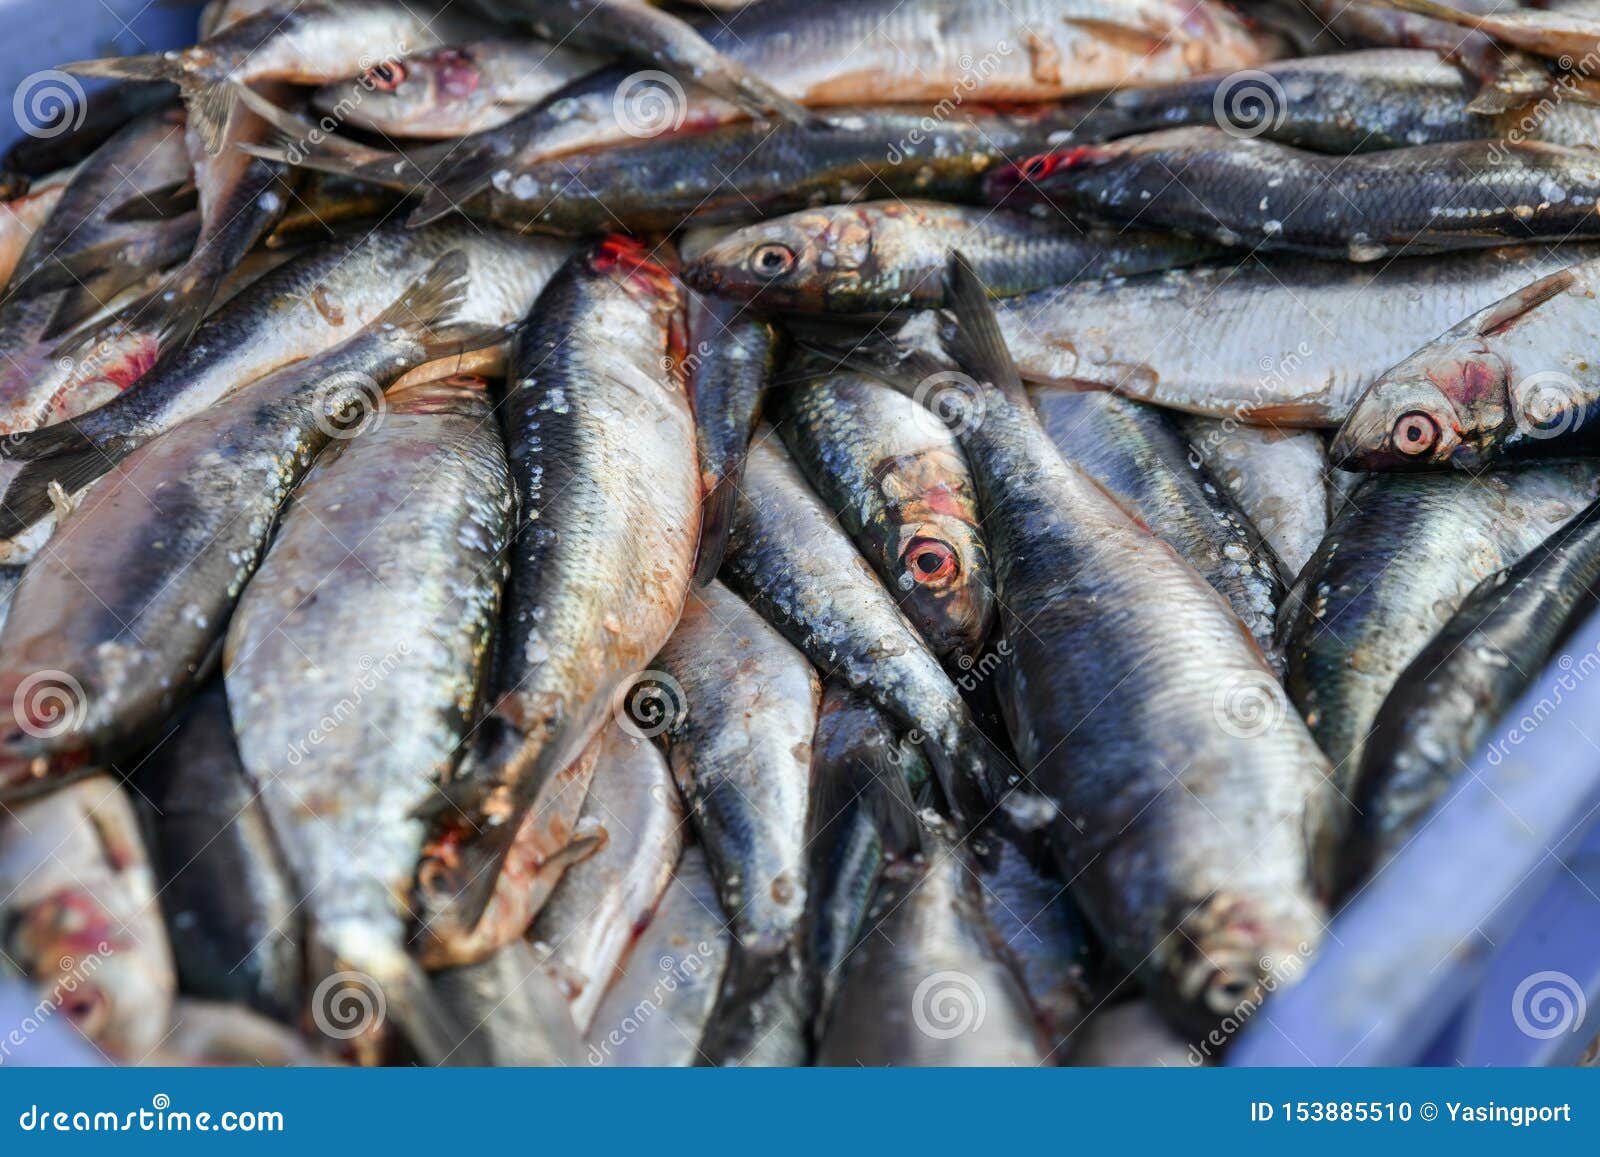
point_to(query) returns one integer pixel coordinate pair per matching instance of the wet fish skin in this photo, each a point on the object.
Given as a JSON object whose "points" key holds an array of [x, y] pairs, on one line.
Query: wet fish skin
{"points": [[592, 916], [893, 474], [424, 492], [1461, 684], [739, 744], [932, 958], [795, 566], [453, 92], [81, 918], [1278, 479], [1138, 454], [212, 1033], [1513, 379], [885, 255], [120, 615], [1105, 740], [1275, 365], [601, 444], [301, 308], [513, 1012], [1251, 192], [675, 968], [241, 944], [1397, 562], [733, 356], [1131, 1034]]}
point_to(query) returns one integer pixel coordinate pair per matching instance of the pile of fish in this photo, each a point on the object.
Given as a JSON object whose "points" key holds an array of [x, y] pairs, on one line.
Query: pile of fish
{"points": [[853, 532]]}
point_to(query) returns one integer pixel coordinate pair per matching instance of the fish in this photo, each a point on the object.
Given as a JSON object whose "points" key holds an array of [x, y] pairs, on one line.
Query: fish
{"points": [[893, 473], [733, 358], [1562, 35], [932, 983], [919, 52], [1131, 1034], [120, 616], [1277, 478], [738, 172], [601, 445], [1138, 454], [1034, 916], [514, 1013], [1105, 737], [1511, 380], [884, 255], [1342, 103], [350, 723], [1448, 699], [21, 216], [211, 1033], [301, 308], [656, 1011], [1240, 191], [789, 559], [595, 911], [456, 91], [80, 916], [92, 123], [240, 944], [1398, 560], [306, 43], [738, 728], [866, 780], [1272, 363]]}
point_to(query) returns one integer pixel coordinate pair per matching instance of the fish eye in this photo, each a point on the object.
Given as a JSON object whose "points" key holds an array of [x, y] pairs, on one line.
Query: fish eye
{"points": [[1415, 433], [385, 76], [772, 260], [88, 1009], [1035, 167], [929, 561]]}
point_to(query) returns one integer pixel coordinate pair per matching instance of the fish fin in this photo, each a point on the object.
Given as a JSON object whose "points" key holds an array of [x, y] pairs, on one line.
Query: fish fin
{"points": [[30, 496], [1295, 415], [716, 522], [172, 200], [452, 188], [1432, 10], [356, 961], [295, 141], [975, 340], [428, 308], [1124, 36], [1510, 310], [209, 102]]}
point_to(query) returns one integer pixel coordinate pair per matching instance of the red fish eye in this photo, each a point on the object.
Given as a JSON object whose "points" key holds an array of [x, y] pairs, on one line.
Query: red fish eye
{"points": [[772, 260], [1415, 433], [1036, 167], [385, 77], [930, 561]]}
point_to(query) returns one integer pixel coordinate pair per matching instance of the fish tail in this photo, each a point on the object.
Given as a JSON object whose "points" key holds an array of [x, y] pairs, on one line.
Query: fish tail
{"points": [[30, 496], [209, 101], [427, 310], [368, 984], [457, 184], [716, 522], [975, 340]]}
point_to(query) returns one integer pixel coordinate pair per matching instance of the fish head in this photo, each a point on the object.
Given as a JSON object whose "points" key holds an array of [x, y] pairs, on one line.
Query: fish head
{"points": [[1441, 406], [941, 564], [1231, 952], [800, 262], [405, 95], [85, 961]]}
